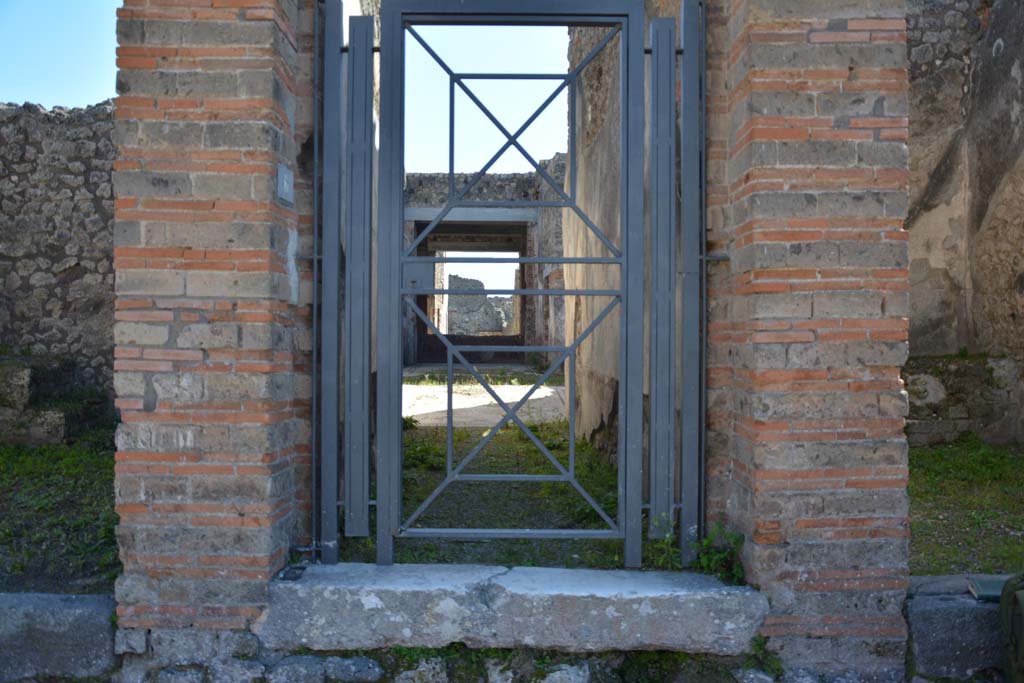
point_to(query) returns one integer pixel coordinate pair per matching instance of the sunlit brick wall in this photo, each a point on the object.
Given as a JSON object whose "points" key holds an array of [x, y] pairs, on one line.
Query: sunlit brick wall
{"points": [[807, 197], [212, 305]]}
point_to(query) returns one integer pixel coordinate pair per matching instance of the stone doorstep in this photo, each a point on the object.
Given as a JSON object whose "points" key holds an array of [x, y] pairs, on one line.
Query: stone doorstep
{"points": [[366, 607], [55, 635], [952, 635]]}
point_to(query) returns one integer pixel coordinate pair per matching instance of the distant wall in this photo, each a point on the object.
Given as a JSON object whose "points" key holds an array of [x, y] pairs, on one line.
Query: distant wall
{"points": [[56, 236], [541, 318], [477, 314], [953, 395]]}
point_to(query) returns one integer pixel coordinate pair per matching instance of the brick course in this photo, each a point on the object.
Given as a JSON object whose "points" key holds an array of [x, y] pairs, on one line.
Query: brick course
{"points": [[807, 195], [212, 334]]}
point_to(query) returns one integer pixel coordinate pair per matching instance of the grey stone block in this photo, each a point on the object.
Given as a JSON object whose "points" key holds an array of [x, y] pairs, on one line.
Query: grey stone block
{"points": [[180, 675], [355, 606], [237, 671], [953, 636], [352, 670], [752, 676], [299, 669], [498, 672], [565, 673], [55, 635], [15, 386], [191, 647], [130, 641], [240, 135], [147, 184]]}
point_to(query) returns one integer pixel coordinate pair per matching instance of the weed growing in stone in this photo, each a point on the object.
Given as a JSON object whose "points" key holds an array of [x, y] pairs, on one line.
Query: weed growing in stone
{"points": [[763, 659], [718, 554]]}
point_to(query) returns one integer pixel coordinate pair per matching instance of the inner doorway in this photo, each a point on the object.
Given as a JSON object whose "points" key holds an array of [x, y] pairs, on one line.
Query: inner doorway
{"points": [[479, 258]]}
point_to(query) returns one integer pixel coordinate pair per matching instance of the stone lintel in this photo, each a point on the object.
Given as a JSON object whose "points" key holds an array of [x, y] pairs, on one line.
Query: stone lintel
{"points": [[362, 606]]}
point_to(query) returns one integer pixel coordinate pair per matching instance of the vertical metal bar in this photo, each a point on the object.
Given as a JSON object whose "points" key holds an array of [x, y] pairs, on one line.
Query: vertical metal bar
{"points": [[389, 303], [358, 194], [330, 291], [570, 396], [314, 436], [633, 246], [451, 138], [703, 70], [663, 250], [572, 139], [692, 281], [451, 419]]}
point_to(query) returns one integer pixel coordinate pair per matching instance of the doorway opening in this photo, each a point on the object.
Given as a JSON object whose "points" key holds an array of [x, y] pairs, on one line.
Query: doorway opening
{"points": [[508, 299], [482, 261]]}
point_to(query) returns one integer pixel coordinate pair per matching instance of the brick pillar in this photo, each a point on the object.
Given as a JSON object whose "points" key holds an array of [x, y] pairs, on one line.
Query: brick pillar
{"points": [[212, 306], [809, 319]]}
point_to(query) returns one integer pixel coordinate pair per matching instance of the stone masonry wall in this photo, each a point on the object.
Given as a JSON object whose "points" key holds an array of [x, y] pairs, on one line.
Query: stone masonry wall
{"points": [[475, 314], [542, 318], [808, 178], [807, 170], [56, 236], [213, 303], [953, 395]]}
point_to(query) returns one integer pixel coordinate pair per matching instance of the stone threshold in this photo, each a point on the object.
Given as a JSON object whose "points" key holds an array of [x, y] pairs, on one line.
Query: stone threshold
{"points": [[953, 635], [367, 607], [44, 635]]}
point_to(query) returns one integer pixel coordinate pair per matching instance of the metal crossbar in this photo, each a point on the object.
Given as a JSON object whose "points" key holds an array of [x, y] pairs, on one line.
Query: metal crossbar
{"points": [[455, 198], [676, 211], [625, 522], [511, 413]]}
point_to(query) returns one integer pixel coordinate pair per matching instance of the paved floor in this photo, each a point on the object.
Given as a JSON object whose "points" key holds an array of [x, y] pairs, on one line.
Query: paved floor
{"points": [[472, 406]]}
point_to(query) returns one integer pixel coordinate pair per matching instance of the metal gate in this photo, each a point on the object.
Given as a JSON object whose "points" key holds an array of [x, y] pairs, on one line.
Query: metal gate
{"points": [[368, 251]]}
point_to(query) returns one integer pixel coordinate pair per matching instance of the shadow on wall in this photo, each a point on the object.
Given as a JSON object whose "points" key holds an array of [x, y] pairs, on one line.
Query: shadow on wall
{"points": [[967, 183]]}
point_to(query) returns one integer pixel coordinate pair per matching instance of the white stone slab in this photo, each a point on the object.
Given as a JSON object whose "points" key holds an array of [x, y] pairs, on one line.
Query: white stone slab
{"points": [[360, 606], [472, 406]]}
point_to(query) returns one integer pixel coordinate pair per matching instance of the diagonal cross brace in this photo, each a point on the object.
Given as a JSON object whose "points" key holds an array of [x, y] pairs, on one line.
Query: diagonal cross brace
{"points": [[511, 413], [512, 140]]}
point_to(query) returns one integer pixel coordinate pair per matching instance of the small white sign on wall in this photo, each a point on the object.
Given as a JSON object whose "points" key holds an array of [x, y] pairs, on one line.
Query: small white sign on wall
{"points": [[285, 184]]}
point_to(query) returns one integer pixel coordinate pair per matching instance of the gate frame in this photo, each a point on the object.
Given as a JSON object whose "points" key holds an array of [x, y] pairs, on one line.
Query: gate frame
{"points": [[395, 15], [687, 202]]}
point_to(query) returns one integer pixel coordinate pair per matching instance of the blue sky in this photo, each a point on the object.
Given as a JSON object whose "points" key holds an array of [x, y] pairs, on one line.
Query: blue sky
{"points": [[63, 52], [57, 52], [476, 49]]}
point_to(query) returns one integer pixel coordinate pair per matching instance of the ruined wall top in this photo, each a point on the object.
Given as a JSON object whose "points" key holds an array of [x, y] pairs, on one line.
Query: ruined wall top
{"points": [[431, 189], [56, 235]]}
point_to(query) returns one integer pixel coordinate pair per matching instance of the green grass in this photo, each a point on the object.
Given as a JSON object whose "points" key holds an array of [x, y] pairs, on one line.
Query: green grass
{"points": [[493, 377], [57, 516], [502, 505], [549, 505], [966, 508]]}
